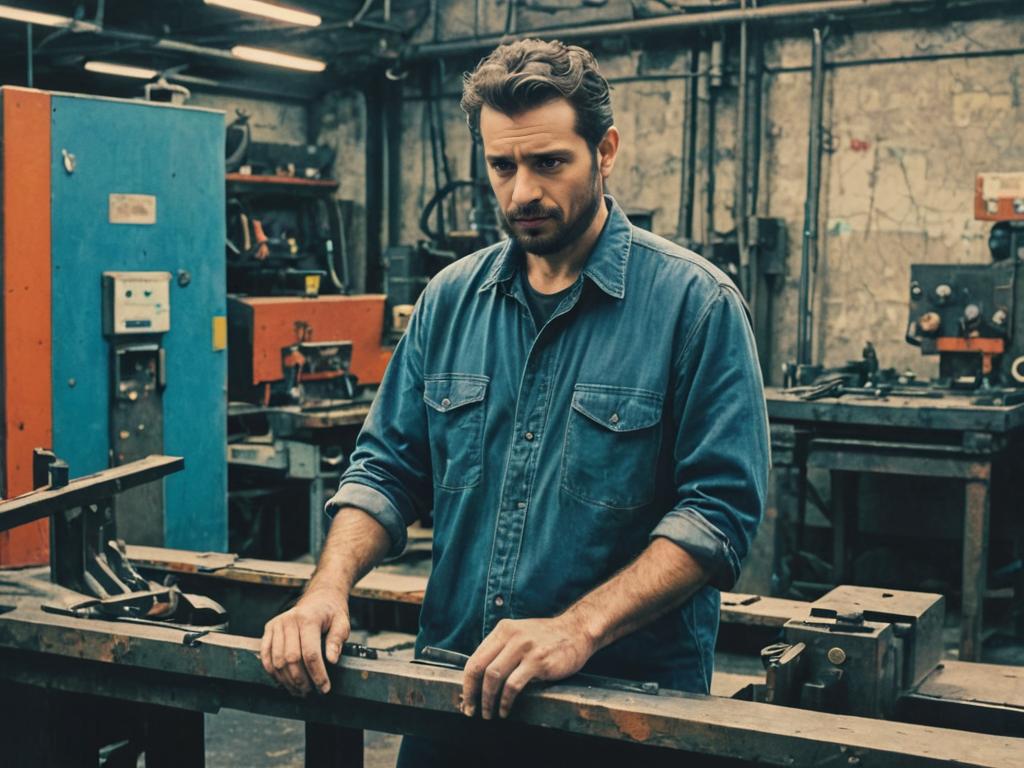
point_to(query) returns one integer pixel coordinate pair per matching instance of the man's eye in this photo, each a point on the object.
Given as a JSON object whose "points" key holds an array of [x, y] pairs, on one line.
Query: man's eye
{"points": [[501, 166], [550, 163]]}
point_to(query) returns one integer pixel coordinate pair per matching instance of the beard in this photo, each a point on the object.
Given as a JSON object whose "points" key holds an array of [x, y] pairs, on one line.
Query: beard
{"points": [[587, 203]]}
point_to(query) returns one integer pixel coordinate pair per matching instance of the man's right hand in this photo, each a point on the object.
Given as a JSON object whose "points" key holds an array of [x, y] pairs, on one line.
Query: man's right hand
{"points": [[290, 650]]}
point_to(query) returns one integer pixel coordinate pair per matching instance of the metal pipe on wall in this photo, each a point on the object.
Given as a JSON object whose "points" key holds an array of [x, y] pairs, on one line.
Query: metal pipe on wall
{"points": [[375, 166], [393, 160], [809, 250], [743, 159], [684, 224], [710, 80], [677, 22]]}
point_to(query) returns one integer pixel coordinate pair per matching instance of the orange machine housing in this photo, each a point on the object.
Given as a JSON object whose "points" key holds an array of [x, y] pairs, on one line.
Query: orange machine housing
{"points": [[260, 327], [26, 341]]}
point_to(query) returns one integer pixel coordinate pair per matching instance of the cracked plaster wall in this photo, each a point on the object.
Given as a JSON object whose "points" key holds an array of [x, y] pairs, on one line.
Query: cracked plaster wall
{"points": [[906, 141]]}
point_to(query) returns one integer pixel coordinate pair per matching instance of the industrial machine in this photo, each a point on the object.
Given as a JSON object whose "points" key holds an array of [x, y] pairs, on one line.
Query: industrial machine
{"points": [[970, 314], [304, 354], [114, 316], [304, 351]]}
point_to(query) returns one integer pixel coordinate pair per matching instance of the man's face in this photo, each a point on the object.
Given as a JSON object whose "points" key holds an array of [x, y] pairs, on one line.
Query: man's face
{"points": [[548, 181]]}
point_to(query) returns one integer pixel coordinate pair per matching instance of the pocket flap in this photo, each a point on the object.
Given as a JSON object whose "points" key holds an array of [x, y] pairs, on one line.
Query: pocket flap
{"points": [[619, 409], [450, 391]]}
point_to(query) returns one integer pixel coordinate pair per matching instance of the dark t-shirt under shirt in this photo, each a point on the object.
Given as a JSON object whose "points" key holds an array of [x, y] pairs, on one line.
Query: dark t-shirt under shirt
{"points": [[542, 305]]}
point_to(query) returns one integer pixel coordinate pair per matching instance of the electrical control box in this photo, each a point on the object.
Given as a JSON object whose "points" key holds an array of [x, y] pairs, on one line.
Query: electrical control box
{"points": [[136, 303]]}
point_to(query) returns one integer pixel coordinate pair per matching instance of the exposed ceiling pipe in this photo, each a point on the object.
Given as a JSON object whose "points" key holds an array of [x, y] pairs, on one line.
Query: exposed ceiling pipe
{"points": [[683, 21]]}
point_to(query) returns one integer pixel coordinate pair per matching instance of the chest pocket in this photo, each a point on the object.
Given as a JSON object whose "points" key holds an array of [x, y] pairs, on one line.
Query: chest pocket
{"points": [[455, 421], [611, 445]]}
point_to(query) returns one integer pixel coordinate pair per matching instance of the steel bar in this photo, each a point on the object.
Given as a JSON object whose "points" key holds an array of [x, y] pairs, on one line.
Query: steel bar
{"points": [[683, 21], [687, 722], [85, 490]]}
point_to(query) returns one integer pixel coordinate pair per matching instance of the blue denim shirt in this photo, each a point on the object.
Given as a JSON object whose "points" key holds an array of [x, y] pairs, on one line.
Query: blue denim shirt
{"points": [[552, 456]]}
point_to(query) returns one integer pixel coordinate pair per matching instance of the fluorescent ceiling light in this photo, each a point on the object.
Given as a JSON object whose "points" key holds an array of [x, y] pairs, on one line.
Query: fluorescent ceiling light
{"points": [[108, 68], [278, 59], [46, 19], [270, 11], [34, 17]]}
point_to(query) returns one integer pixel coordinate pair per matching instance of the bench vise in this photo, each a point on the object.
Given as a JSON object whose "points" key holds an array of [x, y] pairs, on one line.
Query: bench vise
{"points": [[857, 652]]}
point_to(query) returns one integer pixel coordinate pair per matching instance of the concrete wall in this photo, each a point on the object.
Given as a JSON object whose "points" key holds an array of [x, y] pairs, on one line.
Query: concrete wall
{"points": [[270, 121], [905, 140]]}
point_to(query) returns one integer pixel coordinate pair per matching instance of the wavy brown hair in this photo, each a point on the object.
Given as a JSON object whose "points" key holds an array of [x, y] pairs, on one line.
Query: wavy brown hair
{"points": [[526, 74]]}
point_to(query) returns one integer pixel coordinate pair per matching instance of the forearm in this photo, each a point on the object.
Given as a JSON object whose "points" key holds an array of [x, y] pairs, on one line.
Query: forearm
{"points": [[663, 577], [354, 545]]}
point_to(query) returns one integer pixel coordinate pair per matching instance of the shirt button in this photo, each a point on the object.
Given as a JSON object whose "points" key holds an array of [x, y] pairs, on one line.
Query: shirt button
{"points": [[529, 436], [521, 505], [445, 403], [614, 418], [499, 601]]}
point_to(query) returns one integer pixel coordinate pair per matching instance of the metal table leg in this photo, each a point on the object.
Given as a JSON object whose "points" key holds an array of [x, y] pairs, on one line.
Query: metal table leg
{"points": [[175, 738], [844, 523], [975, 562], [329, 746]]}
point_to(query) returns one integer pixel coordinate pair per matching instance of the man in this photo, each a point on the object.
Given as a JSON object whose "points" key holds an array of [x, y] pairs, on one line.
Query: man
{"points": [[580, 404]]}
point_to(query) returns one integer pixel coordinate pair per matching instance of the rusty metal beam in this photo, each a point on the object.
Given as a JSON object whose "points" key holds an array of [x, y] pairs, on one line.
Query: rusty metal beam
{"points": [[86, 490], [225, 669], [382, 586]]}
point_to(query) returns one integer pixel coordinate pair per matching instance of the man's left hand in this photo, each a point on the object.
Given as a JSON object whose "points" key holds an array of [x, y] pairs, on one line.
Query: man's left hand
{"points": [[516, 652]]}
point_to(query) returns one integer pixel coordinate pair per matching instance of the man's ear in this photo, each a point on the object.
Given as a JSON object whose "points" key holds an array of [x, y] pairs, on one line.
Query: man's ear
{"points": [[607, 150]]}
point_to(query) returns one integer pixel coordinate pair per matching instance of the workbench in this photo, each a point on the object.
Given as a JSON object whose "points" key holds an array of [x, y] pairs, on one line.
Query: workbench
{"points": [[916, 436], [64, 680]]}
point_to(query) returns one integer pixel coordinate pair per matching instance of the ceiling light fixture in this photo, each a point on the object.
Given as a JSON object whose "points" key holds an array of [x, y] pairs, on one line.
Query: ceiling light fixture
{"points": [[270, 11], [278, 59], [121, 70], [46, 19], [34, 17]]}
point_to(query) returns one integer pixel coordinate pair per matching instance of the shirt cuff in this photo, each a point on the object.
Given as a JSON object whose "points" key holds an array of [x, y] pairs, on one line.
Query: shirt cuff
{"points": [[376, 505], [691, 531]]}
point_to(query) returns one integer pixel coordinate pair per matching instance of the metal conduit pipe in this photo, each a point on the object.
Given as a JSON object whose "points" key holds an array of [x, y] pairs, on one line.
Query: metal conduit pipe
{"points": [[809, 250], [743, 151], [682, 21], [712, 81], [684, 223]]}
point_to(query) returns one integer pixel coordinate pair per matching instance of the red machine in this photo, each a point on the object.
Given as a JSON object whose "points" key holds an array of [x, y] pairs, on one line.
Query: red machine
{"points": [[269, 336]]}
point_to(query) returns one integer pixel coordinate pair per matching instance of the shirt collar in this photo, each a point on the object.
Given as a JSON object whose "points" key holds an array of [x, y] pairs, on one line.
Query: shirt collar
{"points": [[606, 265]]}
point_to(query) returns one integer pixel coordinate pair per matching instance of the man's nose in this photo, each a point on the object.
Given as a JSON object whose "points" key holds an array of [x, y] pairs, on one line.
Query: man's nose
{"points": [[526, 189]]}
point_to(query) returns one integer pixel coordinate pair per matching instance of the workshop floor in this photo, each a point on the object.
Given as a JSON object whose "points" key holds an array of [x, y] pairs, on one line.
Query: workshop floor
{"points": [[235, 739]]}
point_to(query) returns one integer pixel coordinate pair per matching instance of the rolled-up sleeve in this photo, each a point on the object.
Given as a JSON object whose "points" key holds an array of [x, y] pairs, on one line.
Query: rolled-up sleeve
{"points": [[721, 449], [388, 476]]}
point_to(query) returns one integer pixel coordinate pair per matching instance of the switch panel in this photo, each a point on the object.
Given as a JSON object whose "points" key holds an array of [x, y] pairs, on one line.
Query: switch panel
{"points": [[136, 303]]}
